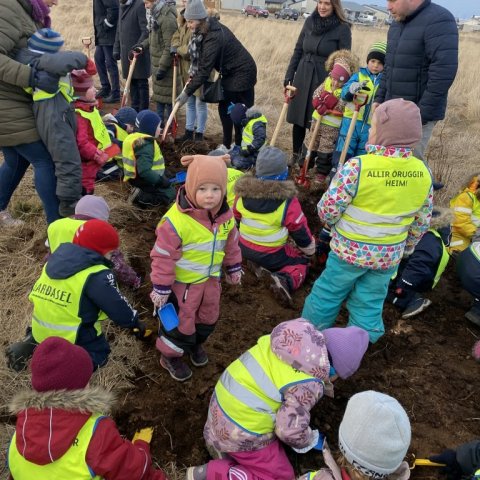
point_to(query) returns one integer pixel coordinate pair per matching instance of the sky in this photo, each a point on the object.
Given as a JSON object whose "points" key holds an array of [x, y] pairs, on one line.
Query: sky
{"points": [[459, 8]]}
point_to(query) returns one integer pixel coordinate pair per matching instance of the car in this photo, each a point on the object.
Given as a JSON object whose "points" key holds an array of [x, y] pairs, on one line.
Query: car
{"points": [[256, 11], [287, 13], [366, 19], [306, 14]]}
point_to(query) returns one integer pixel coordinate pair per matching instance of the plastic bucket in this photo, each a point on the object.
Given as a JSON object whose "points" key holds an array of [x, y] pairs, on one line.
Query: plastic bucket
{"points": [[168, 316]]}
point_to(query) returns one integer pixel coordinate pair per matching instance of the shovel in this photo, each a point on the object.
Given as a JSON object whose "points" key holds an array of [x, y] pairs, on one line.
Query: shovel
{"points": [[302, 179], [422, 462], [87, 42], [173, 132], [171, 118], [289, 93], [131, 69]]}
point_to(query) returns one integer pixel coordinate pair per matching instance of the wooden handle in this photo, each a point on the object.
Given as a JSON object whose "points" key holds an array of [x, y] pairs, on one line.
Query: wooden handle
{"points": [[174, 86], [351, 128], [170, 120], [126, 89], [281, 119]]}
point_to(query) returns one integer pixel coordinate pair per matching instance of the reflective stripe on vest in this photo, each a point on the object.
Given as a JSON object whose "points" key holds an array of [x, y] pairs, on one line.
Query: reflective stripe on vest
{"points": [[250, 390], [265, 229], [247, 132], [232, 176], [56, 305], [129, 160], [443, 261], [120, 133], [350, 106], [390, 193], [100, 131], [475, 249], [329, 119], [62, 231], [71, 465], [203, 250]]}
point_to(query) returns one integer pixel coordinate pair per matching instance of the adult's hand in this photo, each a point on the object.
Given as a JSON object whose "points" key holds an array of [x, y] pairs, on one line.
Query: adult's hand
{"points": [[288, 81], [138, 48], [116, 55]]}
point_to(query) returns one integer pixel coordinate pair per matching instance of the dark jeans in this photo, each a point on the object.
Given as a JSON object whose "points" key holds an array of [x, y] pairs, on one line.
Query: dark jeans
{"points": [[246, 97], [17, 160], [106, 66], [164, 110], [139, 94]]}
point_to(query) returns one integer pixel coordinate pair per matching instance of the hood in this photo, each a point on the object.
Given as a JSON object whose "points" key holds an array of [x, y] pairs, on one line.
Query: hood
{"points": [[252, 112], [250, 187], [69, 259], [345, 57], [48, 422], [298, 343], [441, 218]]}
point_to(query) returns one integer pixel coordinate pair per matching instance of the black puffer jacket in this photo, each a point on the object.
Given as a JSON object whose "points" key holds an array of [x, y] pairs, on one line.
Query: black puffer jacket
{"points": [[238, 67], [422, 60], [105, 20]]}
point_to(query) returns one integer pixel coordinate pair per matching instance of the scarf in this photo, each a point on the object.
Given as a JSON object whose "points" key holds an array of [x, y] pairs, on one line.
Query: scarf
{"points": [[41, 13], [194, 48], [153, 14], [323, 25]]}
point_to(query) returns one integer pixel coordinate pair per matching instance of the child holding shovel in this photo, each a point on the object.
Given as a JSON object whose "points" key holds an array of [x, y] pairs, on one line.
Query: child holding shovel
{"points": [[195, 238]]}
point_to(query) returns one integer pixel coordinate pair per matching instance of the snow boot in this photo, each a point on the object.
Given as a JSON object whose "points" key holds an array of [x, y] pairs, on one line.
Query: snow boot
{"points": [[186, 137], [199, 356], [177, 368], [416, 306], [198, 137]]}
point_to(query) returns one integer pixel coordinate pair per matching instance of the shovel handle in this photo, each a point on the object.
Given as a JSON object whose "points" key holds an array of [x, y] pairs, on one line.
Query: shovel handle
{"points": [[302, 180], [289, 94], [131, 69], [170, 120]]}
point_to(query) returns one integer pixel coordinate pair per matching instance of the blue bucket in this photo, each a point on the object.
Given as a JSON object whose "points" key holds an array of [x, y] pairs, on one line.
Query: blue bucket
{"points": [[168, 316]]}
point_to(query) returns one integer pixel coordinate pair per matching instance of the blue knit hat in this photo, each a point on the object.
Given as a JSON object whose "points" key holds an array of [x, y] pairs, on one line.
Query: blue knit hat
{"points": [[147, 122], [238, 113], [45, 40], [126, 116]]}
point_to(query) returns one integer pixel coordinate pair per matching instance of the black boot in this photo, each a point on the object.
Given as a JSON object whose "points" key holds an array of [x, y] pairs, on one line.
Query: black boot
{"points": [[187, 136], [198, 137], [103, 93], [112, 98]]}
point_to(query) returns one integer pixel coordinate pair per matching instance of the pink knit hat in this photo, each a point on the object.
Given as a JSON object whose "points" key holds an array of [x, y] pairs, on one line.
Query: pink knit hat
{"points": [[398, 123], [81, 82]]}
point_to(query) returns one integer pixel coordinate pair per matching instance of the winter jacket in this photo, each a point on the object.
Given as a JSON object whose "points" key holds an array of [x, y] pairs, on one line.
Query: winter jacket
{"points": [[259, 129], [105, 21], [468, 456], [100, 294], [132, 30], [17, 123], [421, 60], [159, 41], [168, 245], [48, 423], [293, 416], [180, 40], [307, 65], [143, 149], [239, 71], [466, 207], [468, 269]]}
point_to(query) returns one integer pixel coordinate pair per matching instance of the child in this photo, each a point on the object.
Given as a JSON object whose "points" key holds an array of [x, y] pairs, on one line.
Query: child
{"points": [[254, 135], [54, 115], [374, 437], [62, 430], [264, 398], [378, 207], [143, 163], [421, 271], [368, 79], [194, 239], [466, 207], [269, 213], [327, 103], [92, 135], [464, 462]]}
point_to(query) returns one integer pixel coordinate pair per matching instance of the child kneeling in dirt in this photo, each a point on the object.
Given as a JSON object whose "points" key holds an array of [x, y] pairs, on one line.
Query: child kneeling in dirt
{"points": [[195, 238], [86, 442], [265, 396], [254, 135], [373, 437], [269, 213], [144, 165]]}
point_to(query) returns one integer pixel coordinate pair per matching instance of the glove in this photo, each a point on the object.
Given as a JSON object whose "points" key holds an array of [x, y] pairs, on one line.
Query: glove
{"points": [[287, 81], [247, 151], [357, 86], [140, 331], [66, 207], [326, 101], [234, 278], [161, 74], [43, 80], [452, 468], [100, 157], [173, 50], [182, 99], [159, 295], [91, 68], [138, 48], [116, 55], [309, 250], [145, 434]]}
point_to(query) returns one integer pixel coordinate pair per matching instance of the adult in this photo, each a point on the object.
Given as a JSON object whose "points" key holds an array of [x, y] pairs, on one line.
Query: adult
{"points": [[325, 31], [214, 46], [131, 32], [19, 139], [105, 21], [421, 60]]}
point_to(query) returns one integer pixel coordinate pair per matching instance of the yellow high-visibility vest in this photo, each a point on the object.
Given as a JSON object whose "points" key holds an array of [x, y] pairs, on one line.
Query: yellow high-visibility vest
{"points": [[129, 160], [328, 118], [232, 176], [350, 106], [100, 131], [64, 87], [247, 132], [459, 241], [62, 231]]}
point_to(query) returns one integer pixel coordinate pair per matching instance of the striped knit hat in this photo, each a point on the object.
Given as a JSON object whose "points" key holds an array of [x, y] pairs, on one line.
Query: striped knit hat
{"points": [[45, 40], [81, 82], [377, 52]]}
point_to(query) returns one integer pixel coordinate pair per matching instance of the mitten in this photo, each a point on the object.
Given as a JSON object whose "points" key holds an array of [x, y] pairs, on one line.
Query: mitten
{"points": [[309, 250], [144, 434], [159, 295], [43, 80], [91, 68], [452, 468], [173, 51], [326, 101], [161, 74], [356, 87], [100, 157]]}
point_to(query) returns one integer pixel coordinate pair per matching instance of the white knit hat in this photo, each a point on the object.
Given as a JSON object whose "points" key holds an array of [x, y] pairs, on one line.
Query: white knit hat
{"points": [[375, 433]]}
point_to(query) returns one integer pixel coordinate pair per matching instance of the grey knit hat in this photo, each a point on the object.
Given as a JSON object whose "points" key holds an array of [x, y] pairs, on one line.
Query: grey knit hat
{"points": [[271, 161], [195, 10], [375, 434]]}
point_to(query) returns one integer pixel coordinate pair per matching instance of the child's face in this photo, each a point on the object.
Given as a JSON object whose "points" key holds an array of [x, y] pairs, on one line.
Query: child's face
{"points": [[158, 131], [130, 128], [90, 94], [375, 66], [337, 83], [208, 196]]}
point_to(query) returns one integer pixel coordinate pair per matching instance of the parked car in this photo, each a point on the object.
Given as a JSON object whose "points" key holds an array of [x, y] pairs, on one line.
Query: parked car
{"points": [[306, 14], [366, 19], [256, 11], [287, 14]]}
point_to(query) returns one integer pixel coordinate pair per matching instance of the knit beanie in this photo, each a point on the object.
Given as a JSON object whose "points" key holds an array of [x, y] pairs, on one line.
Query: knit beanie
{"points": [[377, 52], [58, 364], [398, 123], [238, 113], [93, 207], [81, 82], [195, 10], [204, 169], [271, 164], [45, 40], [374, 434], [98, 236], [346, 347], [147, 122], [126, 115]]}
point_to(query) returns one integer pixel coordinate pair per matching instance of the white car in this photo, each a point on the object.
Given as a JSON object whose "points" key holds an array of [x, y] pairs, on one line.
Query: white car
{"points": [[306, 14]]}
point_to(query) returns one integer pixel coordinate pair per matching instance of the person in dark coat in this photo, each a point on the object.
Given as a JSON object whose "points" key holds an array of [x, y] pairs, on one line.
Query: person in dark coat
{"points": [[325, 31], [213, 43], [105, 21], [131, 32], [421, 61]]}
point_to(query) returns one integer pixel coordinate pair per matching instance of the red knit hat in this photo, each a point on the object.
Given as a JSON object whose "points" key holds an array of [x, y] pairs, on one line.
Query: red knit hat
{"points": [[58, 364], [81, 82], [340, 73], [98, 236]]}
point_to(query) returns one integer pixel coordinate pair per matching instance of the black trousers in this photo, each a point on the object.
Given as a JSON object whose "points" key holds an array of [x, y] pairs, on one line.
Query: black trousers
{"points": [[140, 94]]}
